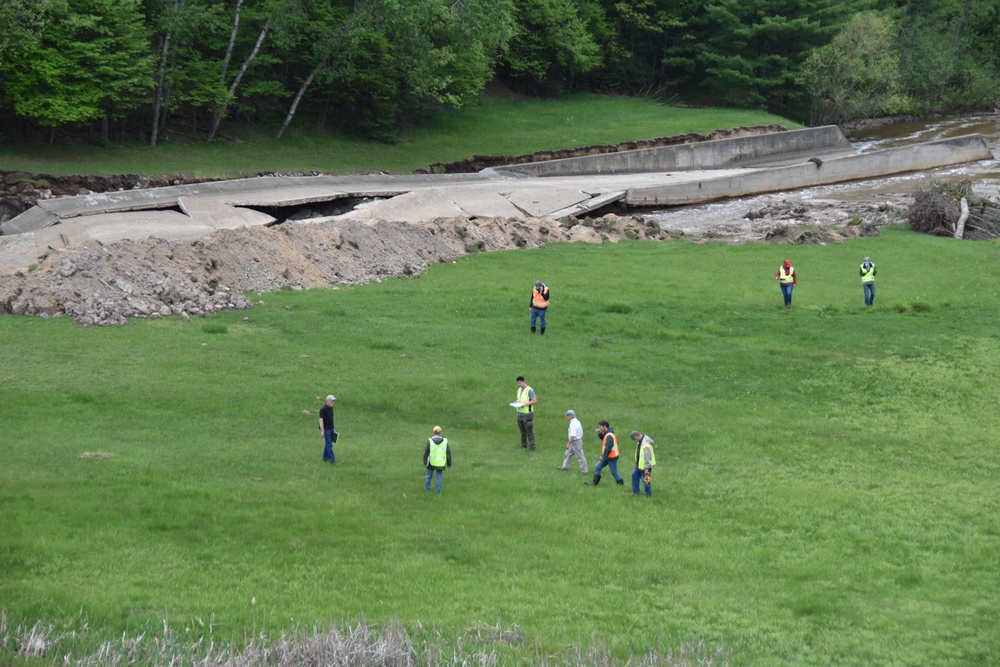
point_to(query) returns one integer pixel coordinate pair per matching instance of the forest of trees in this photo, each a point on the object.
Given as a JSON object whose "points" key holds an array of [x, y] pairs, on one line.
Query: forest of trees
{"points": [[144, 70]]}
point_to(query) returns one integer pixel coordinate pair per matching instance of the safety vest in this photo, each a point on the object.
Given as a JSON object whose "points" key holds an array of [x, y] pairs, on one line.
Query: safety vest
{"points": [[438, 456], [639, 458], [538, 300], [614, 445], [869, 275], [786, 277], [523, 396]]}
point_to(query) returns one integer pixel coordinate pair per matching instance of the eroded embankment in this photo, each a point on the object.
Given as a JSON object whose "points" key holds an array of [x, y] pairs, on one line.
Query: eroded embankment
{"points": [[107, 283]]}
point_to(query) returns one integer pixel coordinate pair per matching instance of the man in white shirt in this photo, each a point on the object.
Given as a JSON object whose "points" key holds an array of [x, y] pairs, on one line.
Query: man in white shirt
{"points": [[574, 446]]}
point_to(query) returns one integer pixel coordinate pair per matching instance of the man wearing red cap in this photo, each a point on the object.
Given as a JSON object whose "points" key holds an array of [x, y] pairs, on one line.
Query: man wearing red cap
{"points": [[787, 280]]}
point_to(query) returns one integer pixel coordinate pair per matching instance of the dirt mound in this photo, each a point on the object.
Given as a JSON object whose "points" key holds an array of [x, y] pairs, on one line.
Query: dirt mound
{"points": [[108, 283], [100, 284]]}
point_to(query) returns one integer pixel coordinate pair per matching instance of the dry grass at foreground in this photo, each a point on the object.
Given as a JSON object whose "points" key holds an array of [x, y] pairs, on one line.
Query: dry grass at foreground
{"points": [[357, 645]]}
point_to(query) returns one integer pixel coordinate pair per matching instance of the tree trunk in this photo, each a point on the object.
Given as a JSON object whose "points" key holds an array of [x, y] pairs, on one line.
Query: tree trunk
{"points": [[960, 226], [216, 114], [161, 76], [316, 70], [221, 109], [298, 96], [232, 42], [158, 95], [961, 24]]}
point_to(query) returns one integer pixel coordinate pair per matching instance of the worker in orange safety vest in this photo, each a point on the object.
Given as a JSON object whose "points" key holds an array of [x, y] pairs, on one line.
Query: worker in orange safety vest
{"points": [[609, 454], [539, 305]]}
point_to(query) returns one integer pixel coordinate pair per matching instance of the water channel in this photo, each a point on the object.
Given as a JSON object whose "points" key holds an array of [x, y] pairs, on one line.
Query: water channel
{"points": [[985, 175]]}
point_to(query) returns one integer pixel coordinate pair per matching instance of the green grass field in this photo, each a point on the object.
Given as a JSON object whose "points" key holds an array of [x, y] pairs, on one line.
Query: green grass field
{"points": [[494, 126], [827, 487]]}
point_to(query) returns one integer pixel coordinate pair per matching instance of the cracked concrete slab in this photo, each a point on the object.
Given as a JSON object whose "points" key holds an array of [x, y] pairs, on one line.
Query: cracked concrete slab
{"points": [[655, 177], [539, 202], [219, 215]]}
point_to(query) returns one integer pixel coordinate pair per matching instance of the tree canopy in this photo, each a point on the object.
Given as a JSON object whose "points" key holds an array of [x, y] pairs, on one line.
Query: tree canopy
{"points": [[154, 69]]}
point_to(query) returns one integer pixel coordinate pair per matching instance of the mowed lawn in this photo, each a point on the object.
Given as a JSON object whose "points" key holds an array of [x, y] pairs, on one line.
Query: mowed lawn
{"points": [[828, 487]]}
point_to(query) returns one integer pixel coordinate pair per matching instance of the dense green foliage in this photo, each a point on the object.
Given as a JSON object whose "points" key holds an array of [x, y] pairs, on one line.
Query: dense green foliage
{"points": [[91, 63], [857, 75], [826, 490], [159, 69]]}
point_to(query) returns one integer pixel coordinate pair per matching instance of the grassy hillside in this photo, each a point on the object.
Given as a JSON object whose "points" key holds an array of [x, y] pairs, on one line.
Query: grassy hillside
{"points": [[495, 126], [826, 490]]}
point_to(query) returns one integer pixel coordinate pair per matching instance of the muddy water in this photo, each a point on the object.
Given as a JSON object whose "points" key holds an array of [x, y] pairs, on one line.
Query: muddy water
{"points": [[985, 176]]}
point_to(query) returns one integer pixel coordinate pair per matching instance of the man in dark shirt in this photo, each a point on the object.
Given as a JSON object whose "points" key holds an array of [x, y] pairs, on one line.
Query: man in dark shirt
{"points": [[609, 454], [539, 304], [326, 428]]}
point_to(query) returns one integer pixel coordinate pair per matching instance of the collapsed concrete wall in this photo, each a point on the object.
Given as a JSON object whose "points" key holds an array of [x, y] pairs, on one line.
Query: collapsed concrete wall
{"points": [[917, 157], [715, 154]]}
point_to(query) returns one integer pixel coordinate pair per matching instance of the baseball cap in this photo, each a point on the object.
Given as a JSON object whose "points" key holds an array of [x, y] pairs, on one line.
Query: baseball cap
{"points": [[331, 397], [570, 412]]}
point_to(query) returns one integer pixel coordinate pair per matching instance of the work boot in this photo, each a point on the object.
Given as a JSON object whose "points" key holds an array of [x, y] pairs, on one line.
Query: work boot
{"points": [[543, 331], [597, 480], [532, 329], [620, 482]]}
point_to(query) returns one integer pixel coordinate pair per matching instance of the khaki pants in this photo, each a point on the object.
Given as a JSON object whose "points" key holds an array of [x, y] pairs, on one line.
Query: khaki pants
{"points": [[575, 449]]}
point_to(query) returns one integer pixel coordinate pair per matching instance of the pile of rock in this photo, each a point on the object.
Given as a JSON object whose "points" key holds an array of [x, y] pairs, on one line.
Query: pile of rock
{"points": [[116, 299]]}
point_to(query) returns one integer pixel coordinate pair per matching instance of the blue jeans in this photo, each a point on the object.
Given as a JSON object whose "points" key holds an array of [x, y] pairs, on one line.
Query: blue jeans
{"points": [[609, 463], [786, 291], [328, 450], [869, 294], [537, 314], [637, 476], [427, 480]]}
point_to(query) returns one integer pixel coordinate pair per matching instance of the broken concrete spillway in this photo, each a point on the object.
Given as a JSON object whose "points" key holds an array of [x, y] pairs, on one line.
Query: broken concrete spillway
{"points": [[653, 177]]}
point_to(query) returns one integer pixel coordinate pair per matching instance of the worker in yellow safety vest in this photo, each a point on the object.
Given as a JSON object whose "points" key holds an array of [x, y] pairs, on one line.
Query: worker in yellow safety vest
{"points": [[437, 457], [525, 406], [867, 273], [645, 459], [539, 305], [609, 454], [787, 279]]}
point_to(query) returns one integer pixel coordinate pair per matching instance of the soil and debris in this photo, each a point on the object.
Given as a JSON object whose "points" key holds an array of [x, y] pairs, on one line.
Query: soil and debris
{"points": [[938, 209], [99, 284]]}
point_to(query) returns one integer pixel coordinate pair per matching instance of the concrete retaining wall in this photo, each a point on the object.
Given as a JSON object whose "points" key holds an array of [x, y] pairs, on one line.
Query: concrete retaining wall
{"points": [[716, 154], [969, 148]]}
